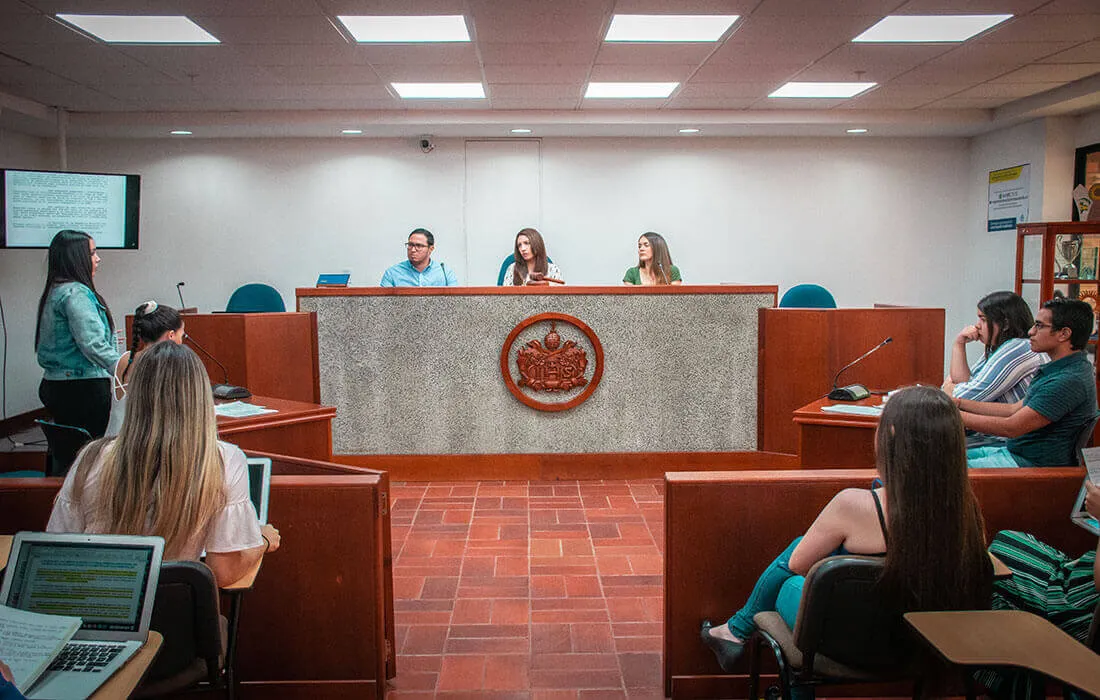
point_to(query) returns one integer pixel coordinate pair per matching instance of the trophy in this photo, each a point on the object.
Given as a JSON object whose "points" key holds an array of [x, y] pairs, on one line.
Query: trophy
{"points": [[1066, 250]]}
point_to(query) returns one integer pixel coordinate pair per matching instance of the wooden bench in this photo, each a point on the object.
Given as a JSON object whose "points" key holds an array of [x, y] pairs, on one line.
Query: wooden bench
{"points": [[723, 528], [319, 621]]}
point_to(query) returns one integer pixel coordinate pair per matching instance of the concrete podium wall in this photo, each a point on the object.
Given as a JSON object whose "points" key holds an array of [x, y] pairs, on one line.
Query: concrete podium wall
{"points": [[417, 371]]}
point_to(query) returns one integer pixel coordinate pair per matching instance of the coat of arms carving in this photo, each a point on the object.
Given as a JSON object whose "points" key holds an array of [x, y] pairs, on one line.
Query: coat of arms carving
{"points": [[553, 366]]}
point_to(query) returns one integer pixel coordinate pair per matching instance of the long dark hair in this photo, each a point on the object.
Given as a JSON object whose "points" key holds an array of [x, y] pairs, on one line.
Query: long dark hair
{"points": [[662, 260], [69, 260], [1007, 315], [936, 555], [538, 264], [151, 321]]}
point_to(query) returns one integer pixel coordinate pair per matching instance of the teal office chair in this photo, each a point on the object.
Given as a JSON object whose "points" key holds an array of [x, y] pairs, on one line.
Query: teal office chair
{"points": [[255, 298], [807, 296], [504, 268]]}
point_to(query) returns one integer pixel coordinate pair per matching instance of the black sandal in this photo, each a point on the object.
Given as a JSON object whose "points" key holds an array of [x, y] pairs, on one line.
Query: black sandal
{"points": [[726, 652]]}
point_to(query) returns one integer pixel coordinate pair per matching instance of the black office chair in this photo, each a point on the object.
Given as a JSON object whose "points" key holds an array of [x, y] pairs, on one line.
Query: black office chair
{"points": [[846, 632], [64, 443], [1084, 438], [195, 634]]}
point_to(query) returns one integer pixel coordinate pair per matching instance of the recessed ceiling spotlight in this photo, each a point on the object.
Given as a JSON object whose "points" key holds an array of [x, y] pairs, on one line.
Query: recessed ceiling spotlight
{"points": [[669, 28], [929, 28], [141, 29], [521, 131], [630, 90], [180, 132], [427, 91], [406, 29], [689, 131], [351, 132], [857, 131], [822, 90]]}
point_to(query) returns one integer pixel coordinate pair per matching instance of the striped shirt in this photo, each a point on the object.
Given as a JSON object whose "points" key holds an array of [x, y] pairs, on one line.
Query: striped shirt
{"points": [[1004, 375]]}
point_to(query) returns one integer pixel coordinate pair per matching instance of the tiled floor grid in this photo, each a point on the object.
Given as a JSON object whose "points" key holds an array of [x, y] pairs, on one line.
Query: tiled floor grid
{"points": [[532, 590]]}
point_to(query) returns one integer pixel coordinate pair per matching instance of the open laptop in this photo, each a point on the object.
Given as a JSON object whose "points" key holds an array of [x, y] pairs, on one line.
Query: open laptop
{"points": [[110, 581], [259, 485], [1079, 515]]}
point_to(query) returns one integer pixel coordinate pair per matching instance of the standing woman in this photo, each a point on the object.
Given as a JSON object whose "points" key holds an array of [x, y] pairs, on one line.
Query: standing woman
{"points": [[654, 263], [152, 324], [74, 340], [530, 263]]}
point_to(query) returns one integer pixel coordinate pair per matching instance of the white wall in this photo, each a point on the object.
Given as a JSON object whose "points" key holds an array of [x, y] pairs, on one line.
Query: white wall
{"points": [[875, 220], [1088, 129]]}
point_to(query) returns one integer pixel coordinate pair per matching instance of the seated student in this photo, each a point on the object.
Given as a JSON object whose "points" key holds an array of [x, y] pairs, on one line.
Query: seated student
{"points": [[1042, 429], [530, 263], [152, 323], [1048, 583], [925, 521], [167, 474], [1008, 365], [654, 263]]}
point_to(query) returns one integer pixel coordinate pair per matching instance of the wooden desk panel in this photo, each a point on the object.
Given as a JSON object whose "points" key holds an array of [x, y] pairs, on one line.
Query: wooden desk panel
{"points": [[836, 439], [802, 349], [298, 429]]}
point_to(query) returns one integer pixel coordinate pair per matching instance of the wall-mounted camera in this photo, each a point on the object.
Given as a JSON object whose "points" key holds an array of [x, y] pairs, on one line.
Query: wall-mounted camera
{"points": [[426, 144]]}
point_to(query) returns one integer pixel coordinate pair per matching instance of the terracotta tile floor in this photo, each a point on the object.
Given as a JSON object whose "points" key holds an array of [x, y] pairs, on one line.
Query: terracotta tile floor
{"points": [[539, 590]]}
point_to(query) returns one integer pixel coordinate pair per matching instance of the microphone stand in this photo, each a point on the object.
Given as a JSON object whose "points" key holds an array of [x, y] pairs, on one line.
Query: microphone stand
{"points": [[184, 309], [854, 392], [225, 390]]}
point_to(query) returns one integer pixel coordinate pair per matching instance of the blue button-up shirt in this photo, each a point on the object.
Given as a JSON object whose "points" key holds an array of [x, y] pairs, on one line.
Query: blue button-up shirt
{"points": [[403, 274]]}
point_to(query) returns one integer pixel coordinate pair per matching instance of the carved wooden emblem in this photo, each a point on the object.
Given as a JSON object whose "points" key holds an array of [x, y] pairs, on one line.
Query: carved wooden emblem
{"points": [[554, 366]]}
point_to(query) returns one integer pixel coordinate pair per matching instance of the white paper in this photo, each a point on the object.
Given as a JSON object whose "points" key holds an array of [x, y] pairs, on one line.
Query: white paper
{"points": [[240, 409], [1092, 463], [854, 410], [29, 641]]}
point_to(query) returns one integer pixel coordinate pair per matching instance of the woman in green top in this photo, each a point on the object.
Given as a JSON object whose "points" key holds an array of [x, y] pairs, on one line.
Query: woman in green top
{"points": [[654, 263]]}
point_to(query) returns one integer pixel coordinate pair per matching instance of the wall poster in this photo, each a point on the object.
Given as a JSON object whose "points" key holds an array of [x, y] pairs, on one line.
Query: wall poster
{"points": [[1008, 197]]}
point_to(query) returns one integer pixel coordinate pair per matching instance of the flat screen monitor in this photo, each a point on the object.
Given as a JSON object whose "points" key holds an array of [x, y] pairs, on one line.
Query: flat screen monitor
{"points": [[36, 204]]}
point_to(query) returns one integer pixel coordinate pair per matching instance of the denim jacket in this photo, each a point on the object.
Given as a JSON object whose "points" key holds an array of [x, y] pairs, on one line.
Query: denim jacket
{"points": [[74, 338]]}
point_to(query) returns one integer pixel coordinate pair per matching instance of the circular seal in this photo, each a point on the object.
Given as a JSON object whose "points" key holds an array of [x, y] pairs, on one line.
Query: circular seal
{"points": [[553, 370]]}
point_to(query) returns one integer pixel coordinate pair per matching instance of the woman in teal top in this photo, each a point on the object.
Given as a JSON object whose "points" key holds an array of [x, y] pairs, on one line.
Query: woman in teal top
{"points": [[74, 340], [654, 263]]}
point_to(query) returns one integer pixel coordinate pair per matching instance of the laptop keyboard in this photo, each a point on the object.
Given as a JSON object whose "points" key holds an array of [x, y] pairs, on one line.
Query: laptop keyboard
{"points": [[86, 658]]}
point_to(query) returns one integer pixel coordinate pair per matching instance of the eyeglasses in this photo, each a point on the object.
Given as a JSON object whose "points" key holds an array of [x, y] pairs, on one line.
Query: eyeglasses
{"points": [[1039, 325], [418, 246]]}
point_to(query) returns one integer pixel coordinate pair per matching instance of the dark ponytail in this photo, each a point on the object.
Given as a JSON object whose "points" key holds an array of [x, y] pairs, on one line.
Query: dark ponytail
{"points": [[151, 321]]}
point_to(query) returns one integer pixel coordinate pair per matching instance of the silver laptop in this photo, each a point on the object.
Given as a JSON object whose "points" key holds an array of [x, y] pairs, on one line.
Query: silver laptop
{"points": [[110, 581], [259, 485]]}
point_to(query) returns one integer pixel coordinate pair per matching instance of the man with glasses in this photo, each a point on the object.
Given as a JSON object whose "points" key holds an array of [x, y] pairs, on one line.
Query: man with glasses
{"points": [[1042, 430], [419, 270]]}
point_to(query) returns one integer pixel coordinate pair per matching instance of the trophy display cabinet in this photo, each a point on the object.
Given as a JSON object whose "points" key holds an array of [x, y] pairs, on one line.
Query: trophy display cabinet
{"points": [[1060, 259]]}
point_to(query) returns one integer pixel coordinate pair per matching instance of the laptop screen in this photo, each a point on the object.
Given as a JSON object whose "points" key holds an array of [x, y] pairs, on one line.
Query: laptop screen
{"points": [[259, 485], [105, 584]]}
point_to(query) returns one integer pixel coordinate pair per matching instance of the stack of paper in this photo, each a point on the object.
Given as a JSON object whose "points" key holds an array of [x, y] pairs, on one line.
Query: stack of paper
{"points": [[30, 641]]}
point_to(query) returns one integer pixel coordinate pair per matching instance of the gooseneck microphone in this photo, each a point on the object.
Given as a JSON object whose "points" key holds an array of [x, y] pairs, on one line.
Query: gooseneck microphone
{"points": [[854, 392], [179, 290], [225, 390]]}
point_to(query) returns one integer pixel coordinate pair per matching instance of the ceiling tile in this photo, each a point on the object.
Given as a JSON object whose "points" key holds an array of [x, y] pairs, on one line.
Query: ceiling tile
{"points": [[428, 74], [658, 73], [536, 74], [712, 102], [878, 62], [977, 62], [526, 103], [1073, 28], [780, 33], [388, 7], [277, 93], [686, 7], [632, 105], [313, 29], [654, 54], [538, 53], [968, 7], [795, 103], [1007, 91], [1058, 73], [25, 28], [324, 75], [794, 8], [1088, 52], [418, 54], [727, 72], [968, 103], [571, 91], [537, 20], [278, 54], [28, 77], [894, 96], [1068, 7], [727, 90]]}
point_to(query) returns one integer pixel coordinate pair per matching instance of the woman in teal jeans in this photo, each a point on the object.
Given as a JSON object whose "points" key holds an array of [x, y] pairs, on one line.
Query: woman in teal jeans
{"points": [[925, 521], [74, 339]]}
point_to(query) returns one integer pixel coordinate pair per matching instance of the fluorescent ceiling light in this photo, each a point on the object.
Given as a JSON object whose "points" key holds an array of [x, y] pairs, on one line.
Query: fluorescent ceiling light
{"points": [[145, 29], [929, 28], [669, 27], [420, 91], [351, 132], [822, 90], [689, 131], [180, 132], [857, 131], [406, 30], [521, 131], [630, 90]]}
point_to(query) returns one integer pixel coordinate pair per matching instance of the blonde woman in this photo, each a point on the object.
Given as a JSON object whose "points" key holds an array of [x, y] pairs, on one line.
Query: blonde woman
{"points": [[167, 474]]}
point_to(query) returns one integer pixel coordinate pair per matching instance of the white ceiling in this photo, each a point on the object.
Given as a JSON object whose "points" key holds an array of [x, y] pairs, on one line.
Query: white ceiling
{"points": [[284, 69]]}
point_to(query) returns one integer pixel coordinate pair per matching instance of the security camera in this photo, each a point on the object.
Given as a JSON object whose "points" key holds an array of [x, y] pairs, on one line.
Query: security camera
{"points": [[426, 144]]}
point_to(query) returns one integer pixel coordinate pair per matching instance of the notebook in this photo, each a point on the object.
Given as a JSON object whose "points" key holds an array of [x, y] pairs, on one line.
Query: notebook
{"points": [[259, 485], [110, 581]]}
